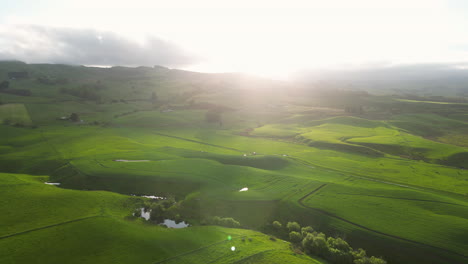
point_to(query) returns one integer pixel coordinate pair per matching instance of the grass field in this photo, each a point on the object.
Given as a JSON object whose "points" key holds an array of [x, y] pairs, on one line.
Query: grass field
{"points": [[395, 185], [46, 224], [14, 114]]}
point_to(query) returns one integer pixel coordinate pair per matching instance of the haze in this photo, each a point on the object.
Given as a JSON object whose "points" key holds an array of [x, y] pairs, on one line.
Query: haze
{"points": [[273, 39]]}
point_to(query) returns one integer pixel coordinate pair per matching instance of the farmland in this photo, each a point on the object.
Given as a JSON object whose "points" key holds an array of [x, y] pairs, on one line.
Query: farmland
{"points": [[389, 177]]}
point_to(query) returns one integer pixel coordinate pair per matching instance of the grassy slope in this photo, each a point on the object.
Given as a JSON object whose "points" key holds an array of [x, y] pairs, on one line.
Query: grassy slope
{"points": [[15, 113], [46, 224], [188, 155]]}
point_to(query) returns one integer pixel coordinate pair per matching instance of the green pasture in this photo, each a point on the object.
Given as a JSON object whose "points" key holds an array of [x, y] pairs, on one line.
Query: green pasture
{"points": [[46, 224], [391, 179], [411, 214], [14, 114]]}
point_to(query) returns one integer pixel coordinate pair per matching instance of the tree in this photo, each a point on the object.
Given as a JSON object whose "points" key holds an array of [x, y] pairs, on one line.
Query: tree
{"points": [[306, 230], [339, 257], [339, 244], [319, 245], [295, 237], [154, 97], [157, 213], [359, 253], [293, 226], [371, 260], [74, 117], [277, 225], [212, 116], [4, 85], [307, 242], [227, 222]]}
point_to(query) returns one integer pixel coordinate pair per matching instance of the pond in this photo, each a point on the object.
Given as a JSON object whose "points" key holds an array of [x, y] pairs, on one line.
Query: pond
{"points": [[172, 224], [167, 222], [52, 183]]}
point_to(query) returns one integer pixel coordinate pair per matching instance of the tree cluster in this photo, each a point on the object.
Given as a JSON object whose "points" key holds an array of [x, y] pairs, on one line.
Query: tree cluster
{"points": [[335, 250], [4, 85], [51, 81], [226, 221], [213, 116], [160, 210], [20, 92], [85, 93]]}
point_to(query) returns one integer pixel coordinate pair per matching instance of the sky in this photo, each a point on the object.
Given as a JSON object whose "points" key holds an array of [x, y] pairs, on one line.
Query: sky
{"points": [[268, 38]]}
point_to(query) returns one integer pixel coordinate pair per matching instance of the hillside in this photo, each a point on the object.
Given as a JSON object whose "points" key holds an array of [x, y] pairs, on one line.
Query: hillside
{"points": [[387, 173]]}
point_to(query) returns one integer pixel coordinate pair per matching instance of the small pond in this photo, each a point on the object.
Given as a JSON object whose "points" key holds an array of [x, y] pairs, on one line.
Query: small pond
{"points": [[172, 224], [167, 222]]}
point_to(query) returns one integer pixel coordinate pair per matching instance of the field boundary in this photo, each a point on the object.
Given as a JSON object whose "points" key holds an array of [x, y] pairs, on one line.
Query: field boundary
{"points": [[195, 141], [49, 226], [300, 201], [253, 255], [401, 198]]}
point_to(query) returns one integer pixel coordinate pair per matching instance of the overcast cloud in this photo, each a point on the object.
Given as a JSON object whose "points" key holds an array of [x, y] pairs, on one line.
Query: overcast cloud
{"points": [[43, 44], [433, 71]]}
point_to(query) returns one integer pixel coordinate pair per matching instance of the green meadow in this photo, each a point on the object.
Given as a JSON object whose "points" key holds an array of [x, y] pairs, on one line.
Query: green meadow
{"points": [[391, 179]]}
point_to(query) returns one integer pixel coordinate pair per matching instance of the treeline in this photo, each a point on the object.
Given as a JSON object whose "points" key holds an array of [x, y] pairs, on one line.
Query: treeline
{"points": [[160, 210], [335, 250], [51, 81], [83, 92], [5, 88], [226, 221], [434, 98]]}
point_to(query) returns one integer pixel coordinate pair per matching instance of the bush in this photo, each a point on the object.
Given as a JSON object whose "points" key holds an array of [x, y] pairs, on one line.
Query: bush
{"points": [[307, 243], [339, 244], [7, 121], [213, 116], [306, 230], [74, 117], [20, 92], [227, 222], [295, 237], [137, 213], [157, 213], [358, 254], [277, 225], [4, 85], [339, 257], [293, 226], [371, 260], [319, 245]]}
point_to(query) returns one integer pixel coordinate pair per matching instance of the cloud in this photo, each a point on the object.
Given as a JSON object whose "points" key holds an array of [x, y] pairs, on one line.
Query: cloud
{"points": [[388, 72], [43, 44]]}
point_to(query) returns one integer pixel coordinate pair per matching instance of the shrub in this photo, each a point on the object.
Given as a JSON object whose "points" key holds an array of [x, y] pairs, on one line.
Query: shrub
{"points": [[277, 225], [339, 257], [306, 230], [339, 244], [7, 121], [213, 116], [293, 226], [74, 117], [227, 222], [319, 245], [295, 237], [371, 260], [4, 85], [137, 213], [307, 243]]}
